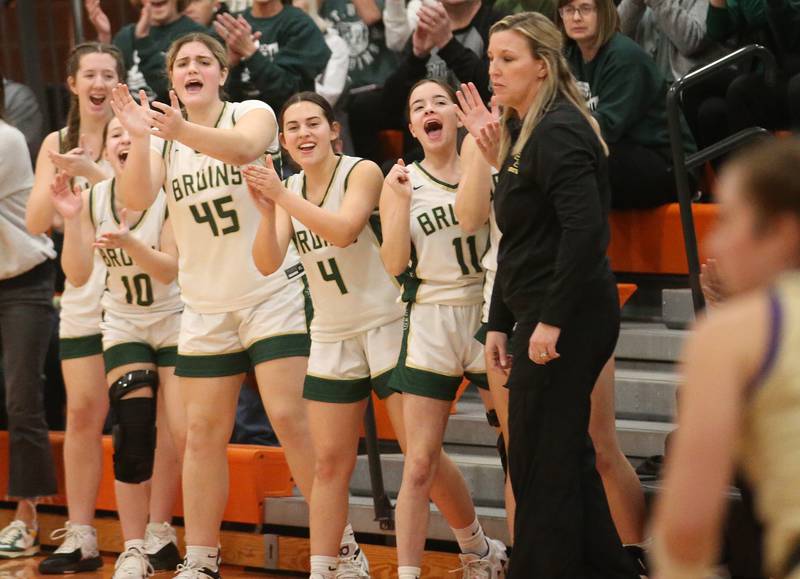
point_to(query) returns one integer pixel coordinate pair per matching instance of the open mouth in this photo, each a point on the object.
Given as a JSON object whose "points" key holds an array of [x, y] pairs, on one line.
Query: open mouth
{"points": [[97, 100], [123, 156], [433, 128], [307, 147], [194, 86]]}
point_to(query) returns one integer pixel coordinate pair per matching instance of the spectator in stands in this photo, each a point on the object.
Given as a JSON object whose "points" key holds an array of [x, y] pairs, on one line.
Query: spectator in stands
{"points": [[551, 202], [775, 24], [204, 11], [449, 42], [627, 96], [360, 24], [740, 407], [22, 111], [144, 43], [288, 55], [26, 323]]}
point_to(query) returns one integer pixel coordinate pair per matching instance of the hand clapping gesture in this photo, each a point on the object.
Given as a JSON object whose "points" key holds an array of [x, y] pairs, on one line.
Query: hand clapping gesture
{"points": [[398, 180], [99, 20], [482, 124], [169, 122], [137, 118], [264, 185], [118, 239], [67, 201], [79, 162]]}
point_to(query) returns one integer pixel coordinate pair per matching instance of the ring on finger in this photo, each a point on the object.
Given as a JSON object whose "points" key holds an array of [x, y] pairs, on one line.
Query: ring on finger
{"points": [[543, 354]]}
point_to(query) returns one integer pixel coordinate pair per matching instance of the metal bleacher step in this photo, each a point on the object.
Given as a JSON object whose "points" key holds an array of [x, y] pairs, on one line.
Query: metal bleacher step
{"points": [[645, 393], [649, 341], [293, 512]]}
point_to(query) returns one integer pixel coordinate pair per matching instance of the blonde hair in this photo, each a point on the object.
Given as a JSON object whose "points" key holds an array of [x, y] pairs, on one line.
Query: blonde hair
{"points": [[546, 44], [217, 51]]}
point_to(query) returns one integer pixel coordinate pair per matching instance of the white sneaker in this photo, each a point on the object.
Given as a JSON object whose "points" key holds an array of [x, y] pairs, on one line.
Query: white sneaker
{"points": [[17, 540], [491, 566], [352, 565], [132, 564], [161, 546], [193, 570], [76, 554]]}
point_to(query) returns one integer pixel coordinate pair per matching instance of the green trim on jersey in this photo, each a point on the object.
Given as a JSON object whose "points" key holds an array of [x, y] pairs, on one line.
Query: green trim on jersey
{"points": [[434, 179], [347, 177], [128, 353], [212, 365], [480, 334], [167, 356], [83, 347], [219, 118], [277, 347], [91, 206], [114, 209], [330, 182], [410, 280], [308, 305]]}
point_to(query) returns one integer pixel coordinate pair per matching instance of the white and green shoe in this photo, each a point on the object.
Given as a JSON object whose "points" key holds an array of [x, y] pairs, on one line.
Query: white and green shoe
{"points": [[17, 540]]}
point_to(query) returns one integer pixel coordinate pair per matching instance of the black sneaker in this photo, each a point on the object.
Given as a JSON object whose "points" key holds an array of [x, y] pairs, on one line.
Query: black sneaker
{"points": [[639, 558], [161, 546], [76, 554], [192, 570]]}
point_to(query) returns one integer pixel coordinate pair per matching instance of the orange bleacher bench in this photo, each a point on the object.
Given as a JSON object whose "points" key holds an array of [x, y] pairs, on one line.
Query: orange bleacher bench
{"points": [[255, 472], [651, 241]]}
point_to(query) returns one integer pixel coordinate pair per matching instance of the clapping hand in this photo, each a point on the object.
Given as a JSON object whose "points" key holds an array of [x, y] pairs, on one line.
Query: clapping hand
{"points": [[398, 180], [483, 124], [118, 239], [137, 118], [264, 185], [79, 162], [99, 20], [67, 201], [169, 122]]}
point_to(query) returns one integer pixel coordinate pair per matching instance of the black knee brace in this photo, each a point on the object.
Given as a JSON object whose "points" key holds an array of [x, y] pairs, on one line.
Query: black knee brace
{"points": [[492, 419], [133, 422]]}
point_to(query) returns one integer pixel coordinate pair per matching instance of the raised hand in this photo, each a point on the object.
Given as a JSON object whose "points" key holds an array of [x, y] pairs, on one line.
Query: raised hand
{"points": [[169, 122], [237, 34], [436, 22], [143, 24], [421, 41], [483, 124], [67, 201], [99, 20], [264, 184], [137, 118], [118, 239], [398, 180]]}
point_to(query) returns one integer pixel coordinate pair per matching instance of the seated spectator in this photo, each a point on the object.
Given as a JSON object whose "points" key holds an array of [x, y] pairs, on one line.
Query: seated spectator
{"points": [[274, 51], [360, 24], [22, 111], [776, 25], [144, 43], [627, 96]]}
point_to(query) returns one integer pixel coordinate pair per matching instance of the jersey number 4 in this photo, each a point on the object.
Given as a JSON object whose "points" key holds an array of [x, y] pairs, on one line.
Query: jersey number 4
{"points": [[458, 244], [333, 275], [205, 214]]}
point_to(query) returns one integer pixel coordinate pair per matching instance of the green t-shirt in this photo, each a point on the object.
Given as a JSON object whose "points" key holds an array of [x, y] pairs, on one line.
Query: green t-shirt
{"points": [[145, 57], [626, 93], [371, 61], [291, 53]]}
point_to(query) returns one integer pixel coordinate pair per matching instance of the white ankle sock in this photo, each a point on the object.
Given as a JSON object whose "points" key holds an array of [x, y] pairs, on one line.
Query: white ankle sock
{"points": [[407, 572], [323, 567], [205, 556], [139, 543], [472, 540]]}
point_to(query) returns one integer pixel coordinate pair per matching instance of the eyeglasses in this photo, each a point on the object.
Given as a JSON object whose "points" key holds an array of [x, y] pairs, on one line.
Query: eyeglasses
{"points": [[584, 10]]}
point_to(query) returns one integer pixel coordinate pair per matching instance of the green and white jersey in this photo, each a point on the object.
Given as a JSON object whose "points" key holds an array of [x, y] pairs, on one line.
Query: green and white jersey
{"points": [[445, 261], [215, 223], [489, 261], [350, 289], [129, 289]]}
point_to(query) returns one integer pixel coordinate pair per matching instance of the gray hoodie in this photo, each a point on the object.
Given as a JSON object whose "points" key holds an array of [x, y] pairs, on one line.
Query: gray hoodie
{"points": [[673, 32]]}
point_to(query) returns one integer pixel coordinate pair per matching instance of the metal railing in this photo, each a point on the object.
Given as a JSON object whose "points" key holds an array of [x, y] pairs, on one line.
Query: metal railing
{"points": [[683, 163]]}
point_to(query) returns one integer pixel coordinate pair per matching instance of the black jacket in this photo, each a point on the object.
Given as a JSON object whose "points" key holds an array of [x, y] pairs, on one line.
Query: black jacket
{"points": [[552, 204]]}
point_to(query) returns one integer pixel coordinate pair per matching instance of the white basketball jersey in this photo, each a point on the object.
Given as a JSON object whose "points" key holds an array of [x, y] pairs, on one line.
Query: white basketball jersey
{"points": [[489, 261], [350, 289], [128, 288], [445, 262], [215, 223]]}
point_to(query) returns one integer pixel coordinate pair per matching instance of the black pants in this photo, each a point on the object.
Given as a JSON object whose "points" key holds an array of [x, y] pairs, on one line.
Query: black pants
{"points": [[26, 324], [640, 177], [563, 527]]}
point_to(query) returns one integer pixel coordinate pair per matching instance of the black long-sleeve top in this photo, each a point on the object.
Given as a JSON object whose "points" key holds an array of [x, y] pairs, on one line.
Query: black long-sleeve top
{"points": [[551, 203]]}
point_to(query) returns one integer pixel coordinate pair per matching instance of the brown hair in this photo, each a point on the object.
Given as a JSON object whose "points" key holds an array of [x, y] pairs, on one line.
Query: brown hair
{"points": [[2, 98], [444, 85], [217, 50], [73, 66], [546, 44], [608, 23], [768, 171], [308, 97]]}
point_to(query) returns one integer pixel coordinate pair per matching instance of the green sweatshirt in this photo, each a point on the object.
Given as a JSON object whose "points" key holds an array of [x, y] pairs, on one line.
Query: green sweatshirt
{"points": [[144, 57], [371, 61], [748, 19], [291, 54], [626, 93]]}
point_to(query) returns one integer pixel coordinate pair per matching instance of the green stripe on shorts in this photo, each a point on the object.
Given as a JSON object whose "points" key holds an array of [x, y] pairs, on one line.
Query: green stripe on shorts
{"points": [[167, 356], [128, 353], [424, 383], [82, 347], [480, 335], [380, 384], [337, 391], [480, 379], [212, 366], [276, 347]]}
